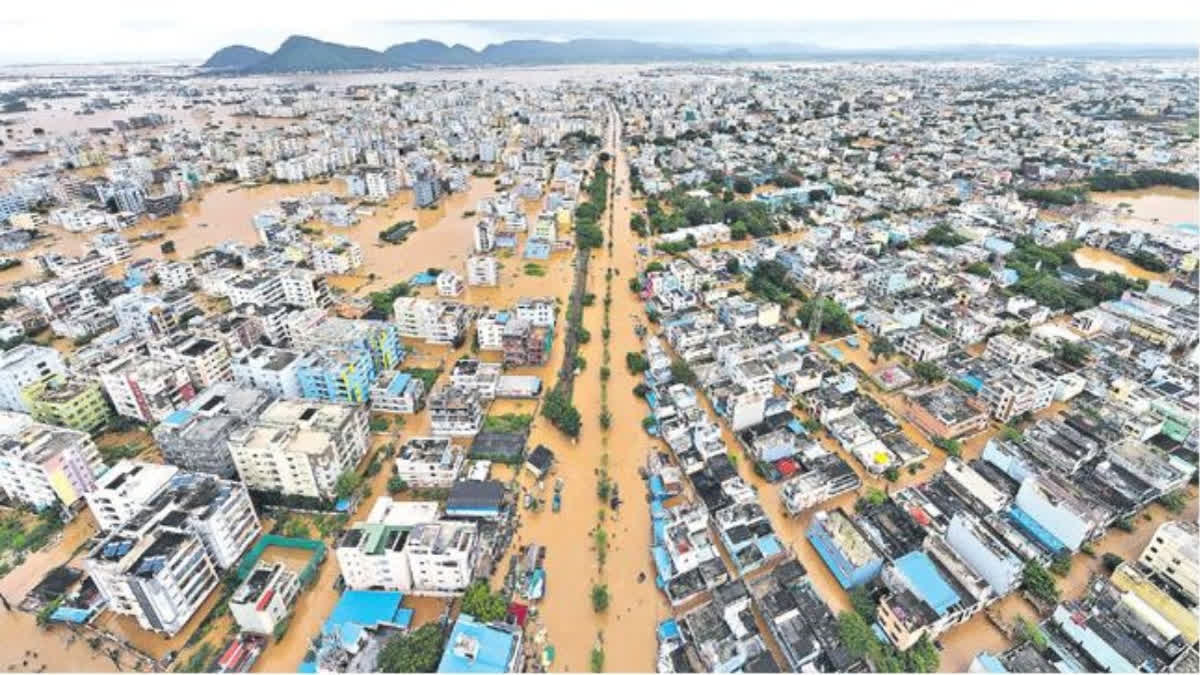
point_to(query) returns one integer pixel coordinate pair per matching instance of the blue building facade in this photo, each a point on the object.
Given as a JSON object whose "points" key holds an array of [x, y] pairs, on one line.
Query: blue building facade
{"points": [[337, 375]]}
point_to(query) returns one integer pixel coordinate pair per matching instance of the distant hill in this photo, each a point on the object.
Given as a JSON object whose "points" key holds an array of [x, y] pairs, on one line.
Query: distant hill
{"points": [[300, 53], [235, 57]]}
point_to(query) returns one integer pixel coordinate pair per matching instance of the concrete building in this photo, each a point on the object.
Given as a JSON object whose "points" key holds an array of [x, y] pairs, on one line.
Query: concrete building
{"points": [[336, 374], [196, 436], [850, 557], [945, 412], [45, 466], [429, 462], [483, 270], [206, 360], [133, 495], [439, 322], [264, 599], [371, 552], [271, 369], [158, 574], [299, 447], [478, 647], [146, 389], [525, 344], [449, 284], [1020, 390], [398, 393], [442, 557], [1060, 511], [76, 403], [455, 411], [23, 365], [985, 553], [1171, 554]]}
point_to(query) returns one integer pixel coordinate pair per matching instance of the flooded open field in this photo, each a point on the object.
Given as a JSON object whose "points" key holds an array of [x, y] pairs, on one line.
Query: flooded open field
{"points": [[1107, 261], [1157, 209]]}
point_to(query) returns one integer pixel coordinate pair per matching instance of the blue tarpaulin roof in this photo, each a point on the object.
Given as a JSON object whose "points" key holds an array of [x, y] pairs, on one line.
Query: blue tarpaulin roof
{"points": [[656, 486], [769, 545], [991, 663], [662, 562], [71, 614], [668, 629], [926, 582], [422, 279], [179, 416], [660, 530], [657, 510]]}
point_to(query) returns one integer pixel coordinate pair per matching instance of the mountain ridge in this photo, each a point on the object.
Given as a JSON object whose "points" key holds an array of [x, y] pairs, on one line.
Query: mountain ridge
{"points": [[300, 53]]}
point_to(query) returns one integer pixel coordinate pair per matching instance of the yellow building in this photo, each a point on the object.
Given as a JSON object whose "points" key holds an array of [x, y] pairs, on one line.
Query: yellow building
{"points": [[1129, 579], [76, 404]]}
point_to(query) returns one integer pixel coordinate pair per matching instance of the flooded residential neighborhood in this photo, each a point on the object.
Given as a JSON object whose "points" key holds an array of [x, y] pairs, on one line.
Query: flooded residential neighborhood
{"points": [[525, 359]]}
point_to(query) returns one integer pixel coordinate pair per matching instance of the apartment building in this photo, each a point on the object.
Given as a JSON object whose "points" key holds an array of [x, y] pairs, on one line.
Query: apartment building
{"points": [[336, 374], [481, 376], [483, 270], [134, 495], [378, 339], [525, 344], [159, 574], [429, 462], [196, 436], [945, 412], [489, 329], [1021, 390], [449, 284], [1014, 350], [145, 389], [22, 366], [1171, 554], [455, 411], [398, 393], [1066, 515], [371, 554], [271, 369], [921, 345], [45, 466], [206, 360], [74, 403], [537, 311], [442, 556], [265, 598], [985, 552], [439, 322], [299, 447]]}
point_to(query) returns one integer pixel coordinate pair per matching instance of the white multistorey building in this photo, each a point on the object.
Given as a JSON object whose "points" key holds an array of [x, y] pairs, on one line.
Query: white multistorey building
{"points": [[160, 564], [300, 447], [449, 284], [537, 311], [264, 599], [441, 322], [429, 462], [145, 389], [23, 365], [483, 270], [271, 369], [45, 466], [401, 546], [1172, 555]]}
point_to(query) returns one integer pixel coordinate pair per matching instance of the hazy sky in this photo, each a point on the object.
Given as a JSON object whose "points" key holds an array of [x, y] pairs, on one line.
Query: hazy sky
{"points": [[61, 31]]}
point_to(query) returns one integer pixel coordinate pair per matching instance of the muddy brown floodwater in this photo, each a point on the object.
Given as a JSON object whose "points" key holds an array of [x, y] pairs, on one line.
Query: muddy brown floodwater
{"points": [[1154, 209], [1107, 261]]}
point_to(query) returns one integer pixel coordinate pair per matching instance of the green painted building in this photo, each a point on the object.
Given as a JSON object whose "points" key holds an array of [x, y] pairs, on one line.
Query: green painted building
{"points": [[78, 404]]}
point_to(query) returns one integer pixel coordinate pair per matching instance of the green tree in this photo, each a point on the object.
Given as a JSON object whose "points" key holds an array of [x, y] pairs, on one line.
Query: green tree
{"points": [[882, 346], [863, 603], [396, 484], [929, 371], [347, 483], [600, 597], [481, 603], [682, 372], [922, 657], [417, 651], [1039, 583], [855, 633], [742, 185], [562, 414], [1073, 353], [1111, 561]]}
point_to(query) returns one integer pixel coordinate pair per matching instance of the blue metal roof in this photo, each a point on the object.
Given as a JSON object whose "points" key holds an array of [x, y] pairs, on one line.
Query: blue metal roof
{"points": [[357, 610], [493, 648], [179, 416], [1030, 526], [398, 384], [926, 582]]}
